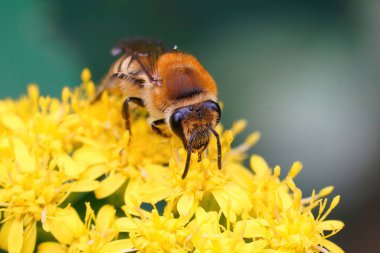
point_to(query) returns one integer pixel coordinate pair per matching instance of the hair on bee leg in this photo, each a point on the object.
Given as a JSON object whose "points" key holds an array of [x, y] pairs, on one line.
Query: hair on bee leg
{"points": [[97, 96], [125, 110], [218, 145], [156, 129], [125, 114]]}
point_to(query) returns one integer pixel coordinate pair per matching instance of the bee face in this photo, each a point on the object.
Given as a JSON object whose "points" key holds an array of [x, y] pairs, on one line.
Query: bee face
{"points": [[192, 123]]}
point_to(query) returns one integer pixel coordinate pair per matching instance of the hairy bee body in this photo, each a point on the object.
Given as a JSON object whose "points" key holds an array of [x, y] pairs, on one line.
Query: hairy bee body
{"points": [[174, 87]]}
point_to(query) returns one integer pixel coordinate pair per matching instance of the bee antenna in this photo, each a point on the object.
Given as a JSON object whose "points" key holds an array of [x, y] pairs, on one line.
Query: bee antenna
{"points": [[189, 149], [219, 146]]}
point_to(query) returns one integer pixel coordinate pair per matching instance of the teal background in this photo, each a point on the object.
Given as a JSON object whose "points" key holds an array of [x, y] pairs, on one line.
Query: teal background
{"points": [[303, 73]]}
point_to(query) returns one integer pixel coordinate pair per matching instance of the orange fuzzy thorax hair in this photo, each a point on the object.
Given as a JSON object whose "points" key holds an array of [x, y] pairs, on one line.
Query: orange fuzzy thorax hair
{"points": [[181, 76]]}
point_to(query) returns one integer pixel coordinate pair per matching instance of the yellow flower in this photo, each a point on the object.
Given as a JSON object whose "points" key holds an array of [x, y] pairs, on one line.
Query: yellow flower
{"points": [[75, 236], [208, 235], [151, 232], [281, 220], [204, 183], [32, 186], [101, 130], [50, 148]]}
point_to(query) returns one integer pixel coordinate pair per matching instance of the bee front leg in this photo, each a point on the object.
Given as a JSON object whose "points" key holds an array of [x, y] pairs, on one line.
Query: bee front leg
{"points": [[156, 129], [125, 110]]}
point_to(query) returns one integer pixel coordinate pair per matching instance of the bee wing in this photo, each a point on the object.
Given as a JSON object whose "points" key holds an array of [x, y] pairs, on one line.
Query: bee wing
{"points": [[144, 51], [136, 64]]}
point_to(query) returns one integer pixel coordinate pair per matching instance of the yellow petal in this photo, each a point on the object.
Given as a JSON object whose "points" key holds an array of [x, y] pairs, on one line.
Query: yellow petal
{"points": [[200, 214], [93, 172], [253, 247], [238, 126], [33, 91], [66, 225], [253, 229], [105, 218], [4, 232], [225, 205], [109, 185], [13, 122], [228, 137], [325, 191], [15, 236], [132, 196], [86, 75], [232, 199], [240, 175], [155, 191], [30, 237], [253, 138], [185, 203], [295, 169], [85, 185], [65, 94], [88, 155], [285, 200], [71, 168], [24, 161], [291, 184], [332, 247], [330, 225], [125, 225], [118, 246], [49, 247], [259, 165], [277, 171]]}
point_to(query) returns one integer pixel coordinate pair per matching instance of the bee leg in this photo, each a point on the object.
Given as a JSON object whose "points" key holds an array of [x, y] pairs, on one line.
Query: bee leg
{"points": [[98, 95], [125, 110], [128, 77], [156, 129], [107, 86]]}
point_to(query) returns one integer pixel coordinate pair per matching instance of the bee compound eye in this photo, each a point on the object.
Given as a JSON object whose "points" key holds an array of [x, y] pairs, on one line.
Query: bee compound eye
{"points": [[211, 105], [176, 123]]}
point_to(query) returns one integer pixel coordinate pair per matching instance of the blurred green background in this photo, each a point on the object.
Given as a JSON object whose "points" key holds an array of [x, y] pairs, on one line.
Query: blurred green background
{"points": [[303, 73]]}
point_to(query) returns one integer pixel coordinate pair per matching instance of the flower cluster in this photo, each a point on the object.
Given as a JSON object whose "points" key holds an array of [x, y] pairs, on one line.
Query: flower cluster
{"points": [[58, 155]]}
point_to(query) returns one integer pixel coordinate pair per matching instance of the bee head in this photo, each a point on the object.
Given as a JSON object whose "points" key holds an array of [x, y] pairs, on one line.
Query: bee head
{"points": [[193, 124]]}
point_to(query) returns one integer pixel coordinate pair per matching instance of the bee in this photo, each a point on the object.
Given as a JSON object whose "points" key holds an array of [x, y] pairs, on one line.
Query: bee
{"points": [[174, 87]]}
